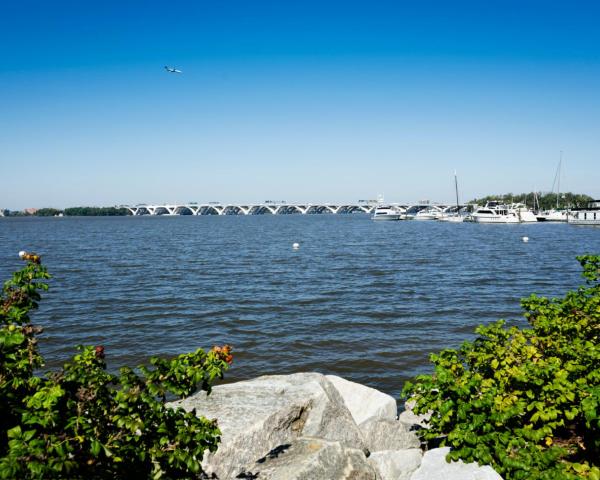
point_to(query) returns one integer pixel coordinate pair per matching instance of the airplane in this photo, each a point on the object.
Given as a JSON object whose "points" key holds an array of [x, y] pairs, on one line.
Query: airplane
{"points": [[172, 69]]}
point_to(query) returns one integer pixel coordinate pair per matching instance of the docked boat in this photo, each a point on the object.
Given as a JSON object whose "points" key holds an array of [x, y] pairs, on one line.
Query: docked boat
{"points": [[453, 218], [524, 213], [553, 216], [453, 213], [389, 212], [495, 212], [589, 215], [430, 213]]}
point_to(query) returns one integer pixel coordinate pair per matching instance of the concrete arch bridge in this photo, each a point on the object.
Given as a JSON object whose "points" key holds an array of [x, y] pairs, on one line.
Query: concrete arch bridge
{"points": [[248, 209]]}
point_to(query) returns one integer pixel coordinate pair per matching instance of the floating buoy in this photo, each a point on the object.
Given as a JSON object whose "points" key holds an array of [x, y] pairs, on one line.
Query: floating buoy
{"points": [[295, 246], [525, 239]]}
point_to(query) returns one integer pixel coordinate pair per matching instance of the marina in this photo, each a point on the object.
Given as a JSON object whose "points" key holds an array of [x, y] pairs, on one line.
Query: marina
{"points": [[493, 212]]}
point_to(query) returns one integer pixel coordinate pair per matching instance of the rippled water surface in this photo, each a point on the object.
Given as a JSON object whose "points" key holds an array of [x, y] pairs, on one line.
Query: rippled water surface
{"points": [[364, 300]]}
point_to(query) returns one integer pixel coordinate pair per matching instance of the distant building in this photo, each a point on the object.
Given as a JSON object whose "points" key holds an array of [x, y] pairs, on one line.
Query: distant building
{"points": [[30, 211]]}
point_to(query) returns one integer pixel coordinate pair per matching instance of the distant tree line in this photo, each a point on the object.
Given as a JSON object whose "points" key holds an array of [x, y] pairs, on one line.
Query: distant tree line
{"points": [[95, 211], [544, 201], [72, 212], [47, 212]]}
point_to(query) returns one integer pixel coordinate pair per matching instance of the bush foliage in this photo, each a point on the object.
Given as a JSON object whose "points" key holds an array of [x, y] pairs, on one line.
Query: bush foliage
{"points": [[526, 401], [83, 422]]}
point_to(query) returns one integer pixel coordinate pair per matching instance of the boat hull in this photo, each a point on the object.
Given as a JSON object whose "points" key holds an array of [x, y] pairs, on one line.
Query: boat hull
{"points": [[496, 219], [585, 217], [553, 216], [527, 216], [388, 218], [584, 222], [458, 219]]}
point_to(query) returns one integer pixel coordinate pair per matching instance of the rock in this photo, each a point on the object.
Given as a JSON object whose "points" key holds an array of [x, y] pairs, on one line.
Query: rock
{"points": [[434, 467], [382, 434], [411, 419], [256, 416], [396, 464], [364, 402], [311, 459]]}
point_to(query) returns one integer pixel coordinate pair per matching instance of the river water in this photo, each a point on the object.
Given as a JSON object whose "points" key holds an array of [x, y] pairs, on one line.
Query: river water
{"points": [[365, 300]]}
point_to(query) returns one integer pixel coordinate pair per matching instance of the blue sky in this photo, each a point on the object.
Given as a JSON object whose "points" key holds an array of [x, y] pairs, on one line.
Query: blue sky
{"points": [[302, 101]]}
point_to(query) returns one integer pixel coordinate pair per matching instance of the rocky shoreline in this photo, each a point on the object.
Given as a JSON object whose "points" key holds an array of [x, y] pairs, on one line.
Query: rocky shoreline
{"points": [[309, 426]]}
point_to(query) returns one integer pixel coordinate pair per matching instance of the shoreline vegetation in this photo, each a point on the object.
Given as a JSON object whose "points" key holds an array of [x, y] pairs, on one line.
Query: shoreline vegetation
{"points": [[83, 422], [69, 212], [524, 400], [534, 200]]}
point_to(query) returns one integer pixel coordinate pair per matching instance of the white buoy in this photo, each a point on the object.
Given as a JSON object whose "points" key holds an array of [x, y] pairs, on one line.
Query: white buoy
{"points": [[525, 239], [295, 246], [22, 253]]}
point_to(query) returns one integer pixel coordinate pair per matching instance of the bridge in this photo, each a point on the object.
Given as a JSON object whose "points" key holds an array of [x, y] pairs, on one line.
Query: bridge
{"points": [[266, 208], [271, 208]]}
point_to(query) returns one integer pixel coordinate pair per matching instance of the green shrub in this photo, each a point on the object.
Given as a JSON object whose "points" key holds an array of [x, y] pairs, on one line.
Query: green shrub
{"points": [[525, 401], [86, 423]]}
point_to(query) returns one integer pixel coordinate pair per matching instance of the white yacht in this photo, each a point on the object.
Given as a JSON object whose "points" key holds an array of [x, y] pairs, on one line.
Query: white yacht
{"points": [[589, 215], [455, 219], [495, 212], [389, 212], [553, 216], [432, 212], [524, 213], [454, 214]]}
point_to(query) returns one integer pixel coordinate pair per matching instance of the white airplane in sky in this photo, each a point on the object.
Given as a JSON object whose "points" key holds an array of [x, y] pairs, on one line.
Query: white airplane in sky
{"points": [[172, 69]]}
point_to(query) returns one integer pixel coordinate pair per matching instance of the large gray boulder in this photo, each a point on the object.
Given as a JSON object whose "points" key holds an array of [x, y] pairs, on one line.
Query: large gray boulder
{"points": [[434, 467], [381, 434], [408, 417], [396, 464], [258, 415], [311, 459], [364, 402]]}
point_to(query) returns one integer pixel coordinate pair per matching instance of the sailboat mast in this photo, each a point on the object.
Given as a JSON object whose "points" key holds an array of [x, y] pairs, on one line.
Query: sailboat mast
{"points": [[558, 184], [456, 188]]}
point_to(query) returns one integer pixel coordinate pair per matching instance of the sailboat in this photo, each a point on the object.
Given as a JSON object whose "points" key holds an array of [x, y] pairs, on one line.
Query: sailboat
{"points": [[456, 217], [555, 215]]}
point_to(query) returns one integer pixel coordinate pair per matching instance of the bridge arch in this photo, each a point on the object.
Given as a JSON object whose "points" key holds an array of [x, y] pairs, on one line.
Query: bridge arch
{"points": [[319, 209], [159, 210], [346, 209], [261, 210], [297, 209], [184, 210], [208, 210], [143, 210], [289, 210], [233, 210]]}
